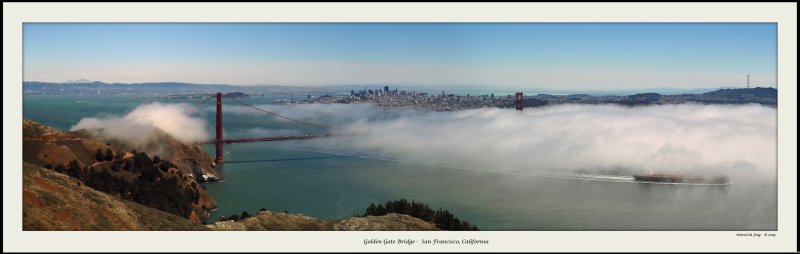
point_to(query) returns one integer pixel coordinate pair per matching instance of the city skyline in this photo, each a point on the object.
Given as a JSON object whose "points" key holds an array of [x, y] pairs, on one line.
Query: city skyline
{"points": [[588, 56]]}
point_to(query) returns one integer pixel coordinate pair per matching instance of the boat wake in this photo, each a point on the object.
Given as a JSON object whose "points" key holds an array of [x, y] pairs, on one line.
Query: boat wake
{"points": [[528, 172]]}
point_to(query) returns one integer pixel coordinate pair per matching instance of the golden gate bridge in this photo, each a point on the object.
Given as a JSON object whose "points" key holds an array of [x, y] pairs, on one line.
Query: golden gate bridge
{"points": [[277, 127]]}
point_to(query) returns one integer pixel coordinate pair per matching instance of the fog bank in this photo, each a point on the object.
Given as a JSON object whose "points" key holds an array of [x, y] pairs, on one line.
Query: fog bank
{"points": [[138, 126], [735, 140]]}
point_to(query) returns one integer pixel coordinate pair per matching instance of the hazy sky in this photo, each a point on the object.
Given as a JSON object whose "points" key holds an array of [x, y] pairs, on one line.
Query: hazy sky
{"points": [[557, 56]]}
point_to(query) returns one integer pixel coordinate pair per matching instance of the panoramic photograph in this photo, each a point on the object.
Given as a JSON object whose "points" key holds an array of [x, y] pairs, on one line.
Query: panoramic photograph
{"points": [[399, 127]]}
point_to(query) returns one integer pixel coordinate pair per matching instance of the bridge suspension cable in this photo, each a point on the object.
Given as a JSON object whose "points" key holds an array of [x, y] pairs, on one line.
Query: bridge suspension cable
{"points": [[284, 117], [275, 131], [203, 101], [475, 113]]}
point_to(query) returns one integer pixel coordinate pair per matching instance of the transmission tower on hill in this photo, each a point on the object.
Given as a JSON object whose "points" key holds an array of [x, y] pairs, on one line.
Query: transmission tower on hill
{"points": [[748, 80]]}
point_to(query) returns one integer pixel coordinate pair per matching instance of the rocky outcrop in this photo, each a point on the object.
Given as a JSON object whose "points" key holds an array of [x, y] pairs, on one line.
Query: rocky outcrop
{"points": [[54, 201], [191, 159], [267, 220], [195, 161]]}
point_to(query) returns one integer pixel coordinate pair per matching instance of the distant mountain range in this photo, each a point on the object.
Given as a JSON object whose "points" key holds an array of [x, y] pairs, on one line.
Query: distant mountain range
{"points": [[87, 87], [79, 81], [661, 90], [150, 88]]}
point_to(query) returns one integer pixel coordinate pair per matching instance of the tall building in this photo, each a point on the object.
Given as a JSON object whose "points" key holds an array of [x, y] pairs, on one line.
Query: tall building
{"points": [[386, 89]]}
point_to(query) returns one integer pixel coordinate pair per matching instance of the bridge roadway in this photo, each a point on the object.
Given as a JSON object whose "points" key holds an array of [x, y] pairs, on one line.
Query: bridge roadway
{"points": [[277, 138]]}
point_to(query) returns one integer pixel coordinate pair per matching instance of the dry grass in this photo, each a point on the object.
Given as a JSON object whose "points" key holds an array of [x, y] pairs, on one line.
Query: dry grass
{"points": [[267, 220], [54, 201]]}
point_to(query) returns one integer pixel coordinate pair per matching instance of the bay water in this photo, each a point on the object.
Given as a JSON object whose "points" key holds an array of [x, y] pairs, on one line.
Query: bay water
{"points": [[328, 183]]}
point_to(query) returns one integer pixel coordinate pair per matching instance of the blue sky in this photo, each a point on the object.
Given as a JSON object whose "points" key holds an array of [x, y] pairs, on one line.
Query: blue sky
{"points": [[536, 55]]}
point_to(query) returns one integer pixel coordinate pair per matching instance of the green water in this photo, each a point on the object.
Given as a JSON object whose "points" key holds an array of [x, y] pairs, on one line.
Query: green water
{"points": [[299, 177]]}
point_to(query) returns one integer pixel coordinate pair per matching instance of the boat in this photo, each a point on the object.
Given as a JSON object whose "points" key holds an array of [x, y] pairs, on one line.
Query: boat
{"points": [[670, 178]]}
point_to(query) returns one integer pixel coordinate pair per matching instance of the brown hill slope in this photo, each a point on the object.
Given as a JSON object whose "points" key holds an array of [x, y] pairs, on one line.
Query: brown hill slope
{"points": [[42, 145], [190, 158], [267, 220], [69, 198], [54, 201], [172, 187]]}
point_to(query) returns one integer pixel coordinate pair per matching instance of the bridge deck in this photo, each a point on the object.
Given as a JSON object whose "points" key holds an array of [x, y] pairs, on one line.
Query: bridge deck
{"points": [[278, 138]]}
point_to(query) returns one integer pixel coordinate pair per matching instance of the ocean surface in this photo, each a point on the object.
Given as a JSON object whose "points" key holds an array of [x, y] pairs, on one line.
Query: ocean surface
{"points": [[337, 182]]}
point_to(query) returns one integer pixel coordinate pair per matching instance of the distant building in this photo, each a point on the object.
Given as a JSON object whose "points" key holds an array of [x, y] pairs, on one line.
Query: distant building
{"points": [[352, 92], [386, 89]]}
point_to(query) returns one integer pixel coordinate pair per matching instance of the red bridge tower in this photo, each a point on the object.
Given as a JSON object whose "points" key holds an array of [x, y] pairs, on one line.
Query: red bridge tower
{"points": [[219, 159]]}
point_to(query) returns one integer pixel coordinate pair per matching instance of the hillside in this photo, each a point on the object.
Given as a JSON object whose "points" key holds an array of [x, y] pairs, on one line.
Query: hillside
{"points": [[54, 201], [743, 93], [132, 175], [236, 95], [190, 159], [267, 220], [762, 95]]}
